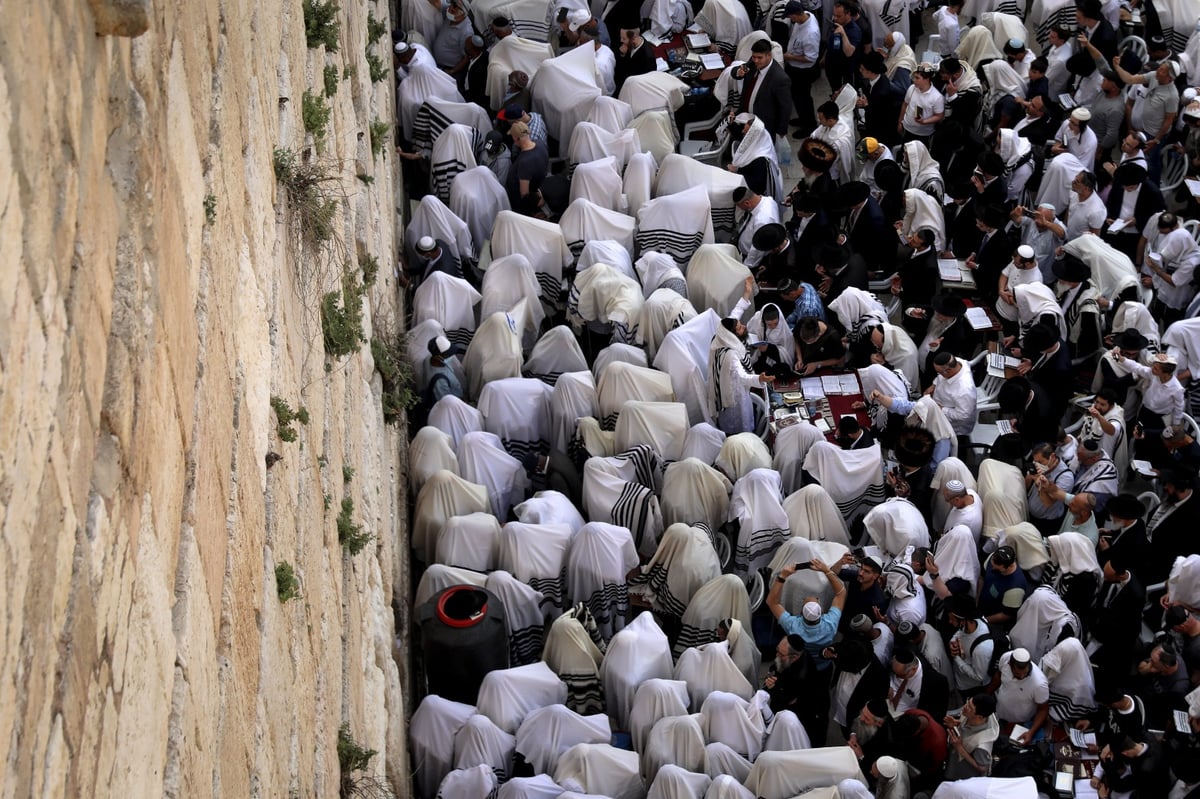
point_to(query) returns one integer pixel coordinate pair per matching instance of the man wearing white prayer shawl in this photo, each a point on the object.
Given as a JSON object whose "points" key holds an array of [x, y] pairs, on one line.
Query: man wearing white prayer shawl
{"points": [[540, 786], [770, 325], [674, 740], [1072, 684], [812, 515], [782, 775], [550, 507], [434, 219], [476, 196], [522, 616], [600, 769], [684, 561], [954, 391], [956, 558], [482, 460], [663, 311], [791, 448], [445, 494], [952, 469], [637, 653], [729, 394], [757, 505], [432, 730], [1042, 621], [837, 133], [703, 442], [965, 507], [564, 89], [887, 380], [620, 382], [853, 478], [431, 451], [907, 600], [694, 493], [541, 242], [423, 82], [573, 398], [676, 224], [479, 741], [719, 599], [453, 153], [741, 454], [673, 782], [599, 183], [470, 783], [536, 554], [507, 281], [495, 350], [599, 558], [469, 542], [989, 788], [450, 300], [507, 696], [556, 352], [721, 760], [607, 301], [655, 699], [895, 526], [574, 656], [609, 496], [785, 733], [756, 159], [684, 356], [738, 721], [548, 732], [438, 578]]}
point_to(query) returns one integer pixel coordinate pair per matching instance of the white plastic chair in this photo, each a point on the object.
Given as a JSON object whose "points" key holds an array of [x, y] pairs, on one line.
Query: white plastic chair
{"points": [[1193, 226], [1190, 425], [1174, 169], [1151, 500], [762, 413], [1135, 45]]}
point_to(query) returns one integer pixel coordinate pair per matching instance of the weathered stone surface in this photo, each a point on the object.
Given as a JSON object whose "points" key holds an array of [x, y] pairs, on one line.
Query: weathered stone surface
{"points": [[143, 649]]}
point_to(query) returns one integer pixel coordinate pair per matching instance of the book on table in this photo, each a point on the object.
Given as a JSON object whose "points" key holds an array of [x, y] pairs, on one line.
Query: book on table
{"points": [[978, 318], [697, 41], [948, 269]]}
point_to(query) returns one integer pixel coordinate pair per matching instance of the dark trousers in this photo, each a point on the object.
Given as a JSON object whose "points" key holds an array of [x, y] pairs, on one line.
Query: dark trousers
{"points": [[813, 712], [802, 83]]}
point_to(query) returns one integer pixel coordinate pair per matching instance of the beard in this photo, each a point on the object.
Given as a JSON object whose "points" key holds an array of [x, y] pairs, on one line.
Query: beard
{"points": [[865, 732]]}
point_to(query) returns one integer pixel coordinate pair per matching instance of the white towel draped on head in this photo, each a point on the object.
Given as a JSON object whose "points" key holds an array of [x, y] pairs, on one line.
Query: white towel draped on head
{"points": [[433, 218], [1002, 488], [922, 168], [444, 495], [928, 414], [480, 741], [599, 558], [515, 409], [469, 542], [949, 469], [469, 783], [853, 478], [541, 242], [664, 311], [781, 335], [741, 454], [592, 213], [606, 251], [507, 281], [716, 278], [1028, 543], [724, 20], [673, 782], [507, 696], [786, 734], [574, 398], [600, 769], [1112, 270], [536, 554], [656, 132], [653, 91]]}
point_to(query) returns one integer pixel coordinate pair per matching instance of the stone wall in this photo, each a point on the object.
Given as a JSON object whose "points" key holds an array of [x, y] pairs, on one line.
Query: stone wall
{"points": [[154, 297]]}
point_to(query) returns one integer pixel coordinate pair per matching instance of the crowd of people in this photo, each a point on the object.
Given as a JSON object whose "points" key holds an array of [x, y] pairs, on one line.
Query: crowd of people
{"points": [[984, 573]]}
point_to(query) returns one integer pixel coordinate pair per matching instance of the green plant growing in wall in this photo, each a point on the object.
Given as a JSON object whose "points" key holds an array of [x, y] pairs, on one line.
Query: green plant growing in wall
{"points": [[284, 416], [210, 209], [375, 28], [369, 265], [347, 474], [390, 353], [350, 535], [315, 113], [330, 76], [379, 135], [349, 71], [341, 319], [311, 194], [365, 179], [286, 584], [353, 759], [375, 66], [321, 26]]}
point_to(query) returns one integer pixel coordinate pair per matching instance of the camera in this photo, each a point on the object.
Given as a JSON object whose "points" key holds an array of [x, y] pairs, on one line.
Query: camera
{"points": [[1029, 213], [802, 566]]}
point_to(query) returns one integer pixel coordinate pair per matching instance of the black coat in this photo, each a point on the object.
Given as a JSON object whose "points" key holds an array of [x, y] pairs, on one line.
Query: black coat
{"points": [[1104, 39], [871, 236], [1118, 623], [935, 691], [639, 62], [883, 111], [473, 82], [990, 259], [1175, 536], [918, 277], [773, 103], [1149, 203], [854, 274], [961, 229]]}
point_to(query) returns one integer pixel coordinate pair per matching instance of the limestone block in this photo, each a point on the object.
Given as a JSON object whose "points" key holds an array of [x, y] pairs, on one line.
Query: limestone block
{"points": [[121, 17]]}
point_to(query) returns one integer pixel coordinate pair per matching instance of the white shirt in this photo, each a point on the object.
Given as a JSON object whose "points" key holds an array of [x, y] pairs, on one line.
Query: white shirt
{"points": [[804, 39], [1017, 700], [1128, 200], [947, 25], [922, 104], [883, 644], [957, 399], [1166, 399], [765, 213], [971, 669], [606, 68], [906, 699], [1085, 215], [1082, 147], [970, 516]]}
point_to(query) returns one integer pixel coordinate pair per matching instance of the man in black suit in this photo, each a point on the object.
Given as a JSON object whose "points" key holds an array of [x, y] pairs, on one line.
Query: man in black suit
{"points": [[1037, 125], [1131, 185], [916, 272], [635, 56], [852, 435], [882, 100], [1030, 409], [1172, 527], [1049, 365], [766, 90], [809, 229], [914, 684], [987, 179], [961, 231], [1095, 30], [839, 269], [1124, 534], [1116, 619], [472, 81], [995, 251], [864, 229]]}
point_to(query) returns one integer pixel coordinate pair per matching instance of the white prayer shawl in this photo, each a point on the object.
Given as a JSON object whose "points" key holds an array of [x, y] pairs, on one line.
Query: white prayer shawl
{"points": [[720, 761], [957, 555], [476, 196], [621, 382], [923, 170], [841, 138], [741, 454], [433, 218], [791, 448], [928, 414], [603, 296], [453, 153], [536, 554], [549, 507], [599, 558], [611, 114], [853, 789], [694, 493], [857, 310], [656, 131], [780, 335], [471, 783], [716, 278], [572, 654], [659, 425], [1029, 544], [896, 525], [480, 742], [417, 349], [1002, 488], [450, 300], [922, 211], [684, 356], [548, 732], [637, 653], [674, 740], [437, 578], [758, 143], [1072, 553], [888, 380], [445, 494], [949, 469], [757, 505], [673, 782], [676, 225], [655, 699], [513, 53], [1112, 270], [1035, 300], [507, 696], [516, 409], [536, 787], [664, 310], [433, 727], [574, 398], [885, 16], [436, 115], [482, 460], [1056, 181], [639, 181], [724, 21], [1014, 149], [431, 451], [1041, 620], [684, 561], [591, 142], [597, 210], [720, 598], [564, 89], [522, 616], [806, 583], [653, 91], [1182, 341], [1183, 584], [668, 17], [988, 788], [605, 251], [786, 734], [901, 56], [495, 351], [728, 89], [600, 769], [734, 719], [1072, 684], [853, 478], [812, 515], [611, 498], [745, 45], [556, 352], [423, 23], [619, 353], [781, 775], [469, 542], [541, 242], [423, 82], [679, 173], [743, 649], [507, 281], [703, 442]]}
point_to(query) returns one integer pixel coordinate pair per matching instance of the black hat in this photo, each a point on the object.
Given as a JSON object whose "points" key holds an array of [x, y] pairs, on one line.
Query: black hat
{"points": [[853, 656], [962, 605], [501, 22], [985, 703], [1081, 64], [1129, 174], [793, 7], [1004, 556], [1039, 338], [874, 62], [795, 642], [740, 193], [817, 155], [852, 193], [808, 202], [1175, 616], [1090, 8], [889, 176], [1125, 506], [960, 189], [990, 163], [1130, 339], [914, 447], [1156, 42], [1072, 269], [994, 216], [768, 237], [949, 305], [831, 256], [1013, 395]]}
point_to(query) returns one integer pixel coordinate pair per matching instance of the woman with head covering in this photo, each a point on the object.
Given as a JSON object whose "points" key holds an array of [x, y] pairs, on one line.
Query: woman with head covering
{"points": [[892, 776], [755, 157]]}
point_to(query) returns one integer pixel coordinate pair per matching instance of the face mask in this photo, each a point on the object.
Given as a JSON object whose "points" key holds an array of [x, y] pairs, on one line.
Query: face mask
{"points": [[1040, 468], [450, 15]]}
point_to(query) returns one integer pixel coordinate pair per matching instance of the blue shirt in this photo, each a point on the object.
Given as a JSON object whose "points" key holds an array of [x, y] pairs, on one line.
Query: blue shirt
{"points": [[816, 636], [807, 304]]}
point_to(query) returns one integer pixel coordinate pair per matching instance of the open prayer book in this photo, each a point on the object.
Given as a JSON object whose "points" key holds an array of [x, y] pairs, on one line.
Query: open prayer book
{"points": [[697, 41], [1004, 427], [978, 318], [948, 270], [1017, 732], [997, 363], [1081, 739], [1193, 186]]}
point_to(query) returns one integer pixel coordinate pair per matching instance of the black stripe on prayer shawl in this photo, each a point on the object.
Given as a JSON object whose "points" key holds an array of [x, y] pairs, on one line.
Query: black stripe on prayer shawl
{"points": [[1008, 7], [576, 247], [1107, 471], [580, 613], [1062, 706], [609, 422], [664, 601], [525, 645], [550, 379], [723, 220], [680, 246], [874, 495], [442, 175], [1064, 16], [460, 336], [624, 334], [549, 287], [521, 449], [645, 463], [760, 543], [585, 694], [632, 510], [551, 588], [428, 125], [608, 603], [690, 636]]}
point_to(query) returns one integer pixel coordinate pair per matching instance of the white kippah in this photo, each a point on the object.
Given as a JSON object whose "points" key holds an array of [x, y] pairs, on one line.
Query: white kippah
{"points": [[1026, 252], [401, 48], [442, 343], [426, 243], [811, 611]]}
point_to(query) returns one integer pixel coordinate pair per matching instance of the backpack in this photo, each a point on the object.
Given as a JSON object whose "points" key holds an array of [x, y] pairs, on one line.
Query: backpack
{"points": [[1001, 643]]}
